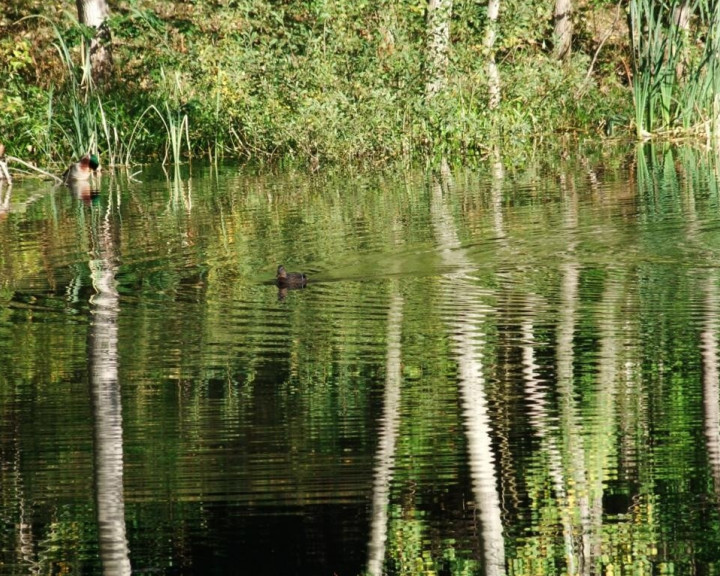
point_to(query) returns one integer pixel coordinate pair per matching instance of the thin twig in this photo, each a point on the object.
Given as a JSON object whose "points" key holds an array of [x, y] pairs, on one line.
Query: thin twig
{"points": [[597, 52]]}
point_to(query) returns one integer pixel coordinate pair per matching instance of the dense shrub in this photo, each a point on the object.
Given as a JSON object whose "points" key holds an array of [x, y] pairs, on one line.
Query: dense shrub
{"points": [[331, 81]]}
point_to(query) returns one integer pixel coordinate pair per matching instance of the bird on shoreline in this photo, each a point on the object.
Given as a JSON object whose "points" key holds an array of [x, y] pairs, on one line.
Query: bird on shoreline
{"points": [[286, 279], [81, 170]]}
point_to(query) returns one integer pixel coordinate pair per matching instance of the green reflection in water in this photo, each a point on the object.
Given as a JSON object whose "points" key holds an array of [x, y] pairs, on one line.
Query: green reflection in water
{"points": [[546, 339]]}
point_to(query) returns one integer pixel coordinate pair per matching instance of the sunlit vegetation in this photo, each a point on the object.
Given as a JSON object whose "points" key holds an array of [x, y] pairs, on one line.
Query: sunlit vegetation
{"points": [[316, 81], [676, 79]]}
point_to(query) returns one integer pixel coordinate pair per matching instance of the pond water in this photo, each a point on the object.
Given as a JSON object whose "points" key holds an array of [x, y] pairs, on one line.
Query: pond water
{"points": [[503, 370]]}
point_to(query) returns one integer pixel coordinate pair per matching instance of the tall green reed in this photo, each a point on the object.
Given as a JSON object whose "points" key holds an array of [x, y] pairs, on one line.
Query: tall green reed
{"points": [[176, 126], [176, 122], [80, 101], [79, 122], [675, 82], [71, 109]]}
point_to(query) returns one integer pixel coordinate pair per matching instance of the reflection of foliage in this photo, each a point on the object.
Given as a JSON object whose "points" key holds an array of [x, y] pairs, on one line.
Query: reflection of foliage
{"points": [[410, 551], [222, 380]]}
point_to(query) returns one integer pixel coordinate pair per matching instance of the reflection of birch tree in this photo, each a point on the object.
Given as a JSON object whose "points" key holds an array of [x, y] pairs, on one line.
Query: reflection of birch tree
{"points": [[577, 461], [388, 436], [468, 338], [711, 387], [540, 418], [5, 196], [26, 540], [570, 427], [498, 174], [604, 433], [107, 408]]}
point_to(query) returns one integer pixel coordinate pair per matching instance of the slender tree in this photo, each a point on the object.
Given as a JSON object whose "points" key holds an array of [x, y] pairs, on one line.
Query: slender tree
{"points": [[681, 18], [489, 45], [439, 13], [563, 28], [94, 13]]}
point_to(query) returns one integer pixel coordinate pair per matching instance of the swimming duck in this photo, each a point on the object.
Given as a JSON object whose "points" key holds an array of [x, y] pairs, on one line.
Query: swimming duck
{"points": [[291, 279], [81, 170]]}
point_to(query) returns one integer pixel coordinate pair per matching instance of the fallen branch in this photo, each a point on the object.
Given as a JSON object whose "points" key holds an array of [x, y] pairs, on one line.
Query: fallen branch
{"points": [[36, 169], [4, 172]]}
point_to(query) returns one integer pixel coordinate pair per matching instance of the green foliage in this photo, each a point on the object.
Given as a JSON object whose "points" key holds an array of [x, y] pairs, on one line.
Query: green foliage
{"points": [[329, 81], [675, 81], [17, 97]]}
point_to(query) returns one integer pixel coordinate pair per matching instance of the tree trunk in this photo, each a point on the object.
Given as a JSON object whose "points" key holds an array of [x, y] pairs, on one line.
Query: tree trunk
{"points": [[4, 172], [94, 13], [563, 28], [439, 13], [489, 45], [681, 19]]}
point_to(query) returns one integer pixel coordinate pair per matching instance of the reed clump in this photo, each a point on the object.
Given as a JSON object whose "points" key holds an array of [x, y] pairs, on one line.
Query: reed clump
{"points": [[676, 79]]}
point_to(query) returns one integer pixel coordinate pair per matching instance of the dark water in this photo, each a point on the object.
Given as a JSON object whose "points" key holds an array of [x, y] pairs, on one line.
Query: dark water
{"points": [[497, 371]]}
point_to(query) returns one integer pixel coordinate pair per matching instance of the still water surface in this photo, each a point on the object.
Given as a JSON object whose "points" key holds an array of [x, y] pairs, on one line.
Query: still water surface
{"points": [[490, 372]]}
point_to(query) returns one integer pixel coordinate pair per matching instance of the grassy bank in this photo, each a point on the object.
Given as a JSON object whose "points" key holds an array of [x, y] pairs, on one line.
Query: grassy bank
{"points": [[333, 82]]}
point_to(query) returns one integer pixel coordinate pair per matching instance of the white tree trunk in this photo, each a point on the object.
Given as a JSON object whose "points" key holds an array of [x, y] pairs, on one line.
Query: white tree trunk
{"points": [[4, 172], [489, 45], [563, 28], [94, 13], [439, 13]]}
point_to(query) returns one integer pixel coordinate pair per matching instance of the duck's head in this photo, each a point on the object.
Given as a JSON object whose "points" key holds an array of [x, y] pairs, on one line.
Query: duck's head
{"points": [[281, 273], [90, 162]]}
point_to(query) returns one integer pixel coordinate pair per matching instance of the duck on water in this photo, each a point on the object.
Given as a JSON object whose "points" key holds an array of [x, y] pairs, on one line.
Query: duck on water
{"points": [[82, 170], [286, 279]]}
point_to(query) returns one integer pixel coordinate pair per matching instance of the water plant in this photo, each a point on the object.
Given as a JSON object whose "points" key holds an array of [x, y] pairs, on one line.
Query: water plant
{"points": [[675, 82], [81, 101]]}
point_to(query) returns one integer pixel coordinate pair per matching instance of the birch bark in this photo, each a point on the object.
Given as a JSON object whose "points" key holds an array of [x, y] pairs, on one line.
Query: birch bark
{"points": [[439, 13], [94, 13], [563, 28], [489, 46]]}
